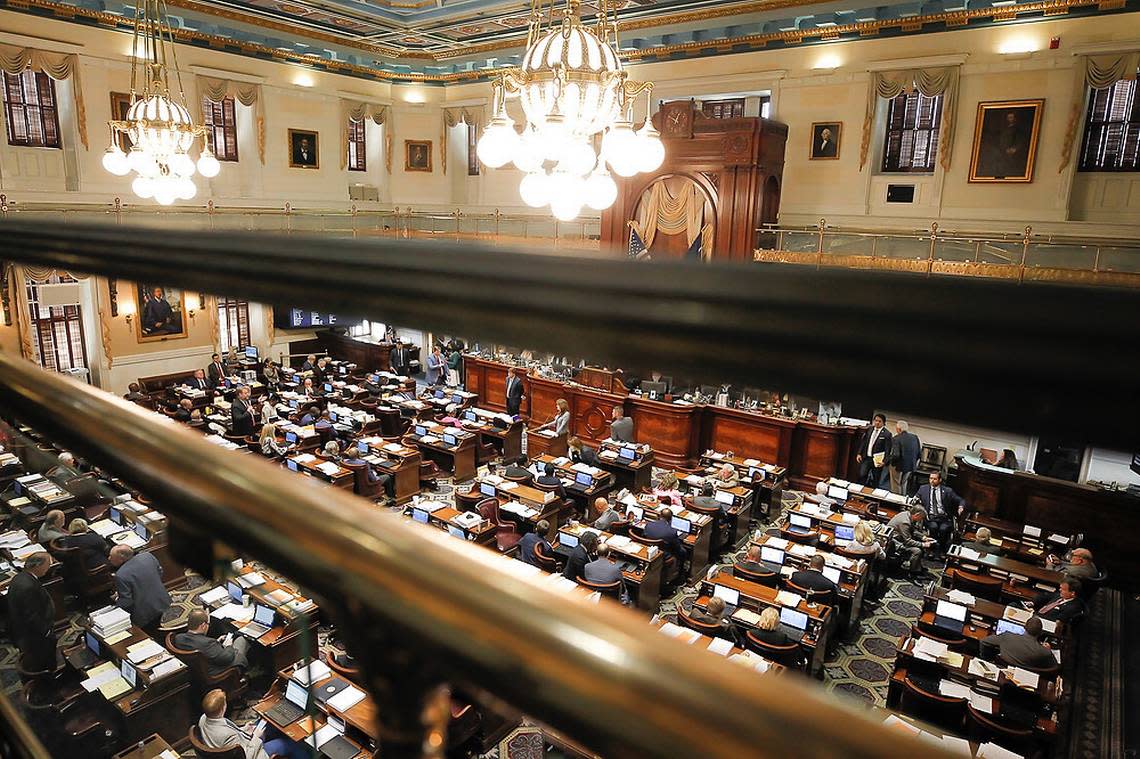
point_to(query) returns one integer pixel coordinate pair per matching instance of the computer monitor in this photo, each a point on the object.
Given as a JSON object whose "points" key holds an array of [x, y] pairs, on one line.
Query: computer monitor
{"points": [[294, 404], [140, 530], [450, 439], [653, 389], [332, 416], [457, 399], [251, 351], [234, 589], [92, 642], [568, 540], [373, 378], [954, 611], [227, 383], [635, 513], [487, 489], [793, 618], [629, 453], [439, 393], [731, 596], [456, 532], [1007, 626], [296, 694], [290, 437], [263, 615], [725, 496], [799, 521], [681, 525], [584, 479], [837, 492], [421, 430], [832, 574], [292, 465], [470, 416], [770, 555], [130, 674], [328, 387], [844, 532], [420, 515], [116, 516], [297, 378]]}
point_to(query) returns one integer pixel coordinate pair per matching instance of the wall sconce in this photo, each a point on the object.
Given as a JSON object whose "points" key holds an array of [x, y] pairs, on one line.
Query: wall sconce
{"points": [[192, 306], [127, 309]]}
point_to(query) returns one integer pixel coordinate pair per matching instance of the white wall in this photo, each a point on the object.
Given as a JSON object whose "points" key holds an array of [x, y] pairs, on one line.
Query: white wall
{"points": [[1109, 466], [956, 436]]}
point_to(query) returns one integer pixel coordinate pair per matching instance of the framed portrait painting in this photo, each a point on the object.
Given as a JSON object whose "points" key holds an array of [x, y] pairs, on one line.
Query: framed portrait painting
{"points": [[304, 150], [417, 155], [161, 312], [1005, 141], [825, 137]]}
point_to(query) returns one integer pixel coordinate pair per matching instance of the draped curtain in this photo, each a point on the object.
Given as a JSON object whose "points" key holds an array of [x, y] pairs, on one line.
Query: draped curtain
{"points": [[58, 66], [246, 93], [928, 82], [661, 211], [1098, 72], [354, 110], [453, 117], [18, 277]]}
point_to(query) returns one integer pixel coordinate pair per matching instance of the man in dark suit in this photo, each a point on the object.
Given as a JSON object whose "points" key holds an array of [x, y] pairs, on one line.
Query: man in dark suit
{"points": [[550, 479], [621, 428], [303, 153], [398, 359], [942, 506], [218, 657], [134, 393], [518, 470], [310, 363], [874, 447], [241, 413], [531, 539], [185, 410], [581, 555], [354, 456], [824, 146], [1062, 605], [198, 381], [580, 452], [93, 547], [662, 529], [603, 570], [751, 561], [905, 450], [514, 392], [158, 316], [138, 584], [1020, 649], [813, 578], [910, 538], [216, 371], [31, 614]]}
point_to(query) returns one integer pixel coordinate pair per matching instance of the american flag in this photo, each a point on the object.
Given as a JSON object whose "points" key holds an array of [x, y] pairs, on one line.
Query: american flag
{"points": [[636, 245]]}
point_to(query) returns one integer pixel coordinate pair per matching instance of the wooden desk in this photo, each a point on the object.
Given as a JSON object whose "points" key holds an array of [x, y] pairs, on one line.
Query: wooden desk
{"points": [[459, 459], [152, 747], [738, 513], [699, 540], [399, 462], [852, 579], [635, 474], [704, 641], [767, 481], [643, 578], [1022, 581], [444, 519], [341, 478], [360, 719], [551, 511], [673, 429], [544, 444], [506, 441], [582, 497]]}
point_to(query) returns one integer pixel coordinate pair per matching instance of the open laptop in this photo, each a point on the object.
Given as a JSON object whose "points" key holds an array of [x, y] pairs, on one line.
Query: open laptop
{"points": [[234, 590], [730, 596], [950, 617], [725, 497], [88, 655], [844, 534], [833, 574], [420, 515], [635, 513], [772, 558], [567, 540], [584, 479], [262, 622], [799, 523], [628, 453], [292, 707], [792, 622], [837, 492], [681, 525], [1008, 626]]}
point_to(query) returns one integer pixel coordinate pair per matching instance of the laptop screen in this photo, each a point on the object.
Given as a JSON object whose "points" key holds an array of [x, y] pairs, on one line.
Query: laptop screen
{"points": [[140, 530], [263, 615], [450, 439], [725, 497], [296, 694], [635, 513], [456, 532], [730, 596], [332, 416], [628, 453], [290, 437], [951, 610], [1006, 626], [420, 515], [457, 399], [796, 619], [771, 555], [568, 540], [129, 673], [328, 387], [681, 525], [583, 479], [470, 416], [438, 393], [486, 488], [421, 430], [837, 492], [292, 465], [235, 591], [832, 574], [116, 516], [800, 521], [844, 532], [294, 404], [92, 643]]}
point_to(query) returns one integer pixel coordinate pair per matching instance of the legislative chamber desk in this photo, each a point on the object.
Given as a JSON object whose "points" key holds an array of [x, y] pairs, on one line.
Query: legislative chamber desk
{"points": [[679, 432], [642, 565], [1109, 520]]}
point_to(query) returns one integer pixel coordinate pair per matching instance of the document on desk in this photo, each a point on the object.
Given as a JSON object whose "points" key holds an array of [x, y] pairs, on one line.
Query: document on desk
{"points": [[168, 667], [749, 659], [792, 600], [961, 597], [114, 688], [236, 612], [304, 458], [982, 702], [994, 751], [720, 646], [1049, 626], [928, 649], [983, 669], [508, 485], [251, 579], [278, 597], [143, 650], [111, 640], [1023, 677], [951, 689], [346, 699], [747, 616], [97, 676], [880, 492], [799, 549], [778, 543], [1020, 616], [968, 553], [850, 518], [330, 468], [105, 528]]}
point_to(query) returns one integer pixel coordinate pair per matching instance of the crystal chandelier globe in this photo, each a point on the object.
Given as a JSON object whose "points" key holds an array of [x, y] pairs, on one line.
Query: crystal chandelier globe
{"points": [[572, 88], [160, 128]]}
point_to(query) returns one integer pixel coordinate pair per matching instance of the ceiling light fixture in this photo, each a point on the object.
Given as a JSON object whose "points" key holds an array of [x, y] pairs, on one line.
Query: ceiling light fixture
{"points": [[159, 127], [572, 88]]}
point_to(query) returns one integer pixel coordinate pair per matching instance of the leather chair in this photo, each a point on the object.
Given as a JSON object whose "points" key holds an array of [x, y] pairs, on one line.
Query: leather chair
{"points": [[981, 586], [953, 642], [231, 680], [202, 751], [547, 561], [722, 530], [507, 535], [988, 728], [1091, 585], [704, 628], [92, 586], [351, 674], [804, 538], [238, 439], [940, 711], [611, 589], [361, 485], [823, 597], [671, 569], [770, 579], [788, 654], [429, 473], [28, 675], [82, 725]]}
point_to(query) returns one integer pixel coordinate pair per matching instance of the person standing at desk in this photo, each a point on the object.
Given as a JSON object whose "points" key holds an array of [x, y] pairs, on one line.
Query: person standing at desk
{"points": [[241, 413], [905, 450], [621, 428], [138, 583], [873, 449], [942, 506], [662, 529], [514, 392], [561, 421], [215, 371], [398, 359], [435, 364], [271, 374], [31, 614], [455, 361], [579, 452]]}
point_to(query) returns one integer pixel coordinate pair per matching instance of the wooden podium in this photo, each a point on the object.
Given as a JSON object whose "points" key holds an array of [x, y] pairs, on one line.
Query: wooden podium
{"points": [[736, 164]]}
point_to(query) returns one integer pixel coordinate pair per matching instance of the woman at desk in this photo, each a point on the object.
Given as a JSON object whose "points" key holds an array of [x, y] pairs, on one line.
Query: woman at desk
{"points": [[767, 628], [271, 374], [1008, 460], [864, 543], [668, 490], [561, 421], [269, 444]]}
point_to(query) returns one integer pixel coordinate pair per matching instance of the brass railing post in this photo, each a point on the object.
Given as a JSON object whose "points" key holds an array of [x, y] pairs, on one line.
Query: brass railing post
{"points": [[933, 245], [1024, 253], [819, 244], [457, 215]]}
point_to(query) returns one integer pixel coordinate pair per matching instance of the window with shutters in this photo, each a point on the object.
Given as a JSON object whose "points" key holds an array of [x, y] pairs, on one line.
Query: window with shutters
{"points": [[1112, 129], [57, 331], [472, 157], [723, 109], [30, 110], [233, 323], [220, 118], [911, 139], [356, 160]]}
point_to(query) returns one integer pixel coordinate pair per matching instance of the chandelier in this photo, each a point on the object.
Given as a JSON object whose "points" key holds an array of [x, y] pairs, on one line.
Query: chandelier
{"points": [[572, 87], [160, 129]]}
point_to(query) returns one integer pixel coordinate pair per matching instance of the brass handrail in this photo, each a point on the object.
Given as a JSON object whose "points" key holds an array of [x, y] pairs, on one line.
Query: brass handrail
{"points": [[595, 671]]}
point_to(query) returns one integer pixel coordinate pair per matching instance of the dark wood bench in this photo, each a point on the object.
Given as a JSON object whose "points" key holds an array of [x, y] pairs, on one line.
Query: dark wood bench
{"points": [[157, 385]]}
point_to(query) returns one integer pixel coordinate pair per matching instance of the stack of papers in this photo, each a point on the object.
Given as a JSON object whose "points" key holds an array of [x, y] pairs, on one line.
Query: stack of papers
{"points": [[982, 702], [328, 467], [929, 650], [1023, 677], [236, 612], [951, 689], [299, 606], [315, 670], [19, 554], [747, 616], [143, 650], [961, 597], [720, 646], [983, 669], [749, 659], [251, 579], [968, 553], [105, 528], [109, 621], [278, 597], [1020, 616], [129, 538], [214, 595], [778, 543], [787, 598]]}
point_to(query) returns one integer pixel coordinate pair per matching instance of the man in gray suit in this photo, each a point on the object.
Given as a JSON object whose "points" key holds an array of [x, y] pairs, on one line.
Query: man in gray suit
{"points": [[218, 658], [707, 498], [910, 537], [138, 582], [1020, 649], [621, 428], [602, 569], [262, 742], [905, 450]]}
